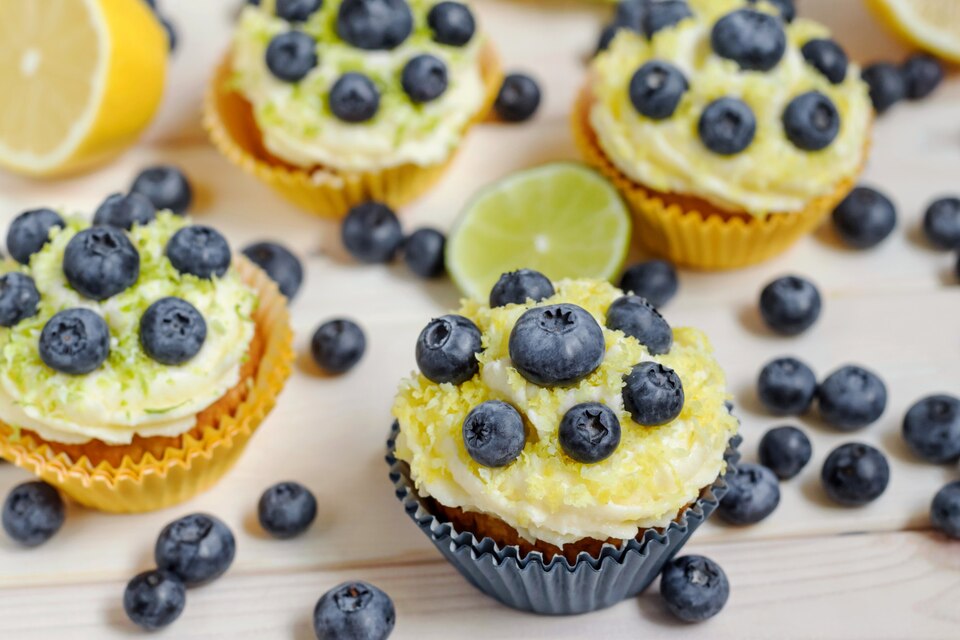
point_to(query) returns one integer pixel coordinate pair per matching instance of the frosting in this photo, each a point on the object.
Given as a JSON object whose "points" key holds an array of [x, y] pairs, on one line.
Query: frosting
{"points": [[129, 394], [296, 122], [543, 494], [771, 175]]}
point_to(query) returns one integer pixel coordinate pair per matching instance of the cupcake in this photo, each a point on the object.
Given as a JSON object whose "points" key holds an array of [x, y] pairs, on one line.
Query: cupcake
{"points": [[338, 102], [730, 130], [563, 442], [137, 356]]}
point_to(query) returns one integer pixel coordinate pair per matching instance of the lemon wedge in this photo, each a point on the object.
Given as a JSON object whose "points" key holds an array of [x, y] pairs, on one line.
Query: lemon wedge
{"points": [[933, 25]]}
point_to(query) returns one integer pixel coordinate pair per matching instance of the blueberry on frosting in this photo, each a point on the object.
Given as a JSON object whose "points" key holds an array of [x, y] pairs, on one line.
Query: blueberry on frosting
{"points": [[664, 14], [374, 24], [727, 126], [297, 10], [199, 251], [637, 318], [424, 78], [75, 341], [811, 121], [18, 298], [754, 40], [452, 23], [493, 433], [827, 57], [653, 394], [101, 262], [166, 187], [556, 345], [291, 56], [516, 287], [30, 231], [354, 98], [172, 331], [788, 11], [656, 89], [124, 211], [589, 432], [447, 348]]}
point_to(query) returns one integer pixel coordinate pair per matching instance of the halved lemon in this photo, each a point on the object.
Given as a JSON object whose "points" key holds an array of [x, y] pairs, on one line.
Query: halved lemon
{"points": [[933, 25], [81, 79]]}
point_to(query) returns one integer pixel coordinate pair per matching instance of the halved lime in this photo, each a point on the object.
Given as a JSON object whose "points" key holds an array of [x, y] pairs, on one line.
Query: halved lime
{"points": [[561, 219]]}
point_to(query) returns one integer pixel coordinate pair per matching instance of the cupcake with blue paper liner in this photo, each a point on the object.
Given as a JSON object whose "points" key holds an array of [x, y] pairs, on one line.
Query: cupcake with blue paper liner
{"points": [[339, 102], [561, 442], [730, 130]]}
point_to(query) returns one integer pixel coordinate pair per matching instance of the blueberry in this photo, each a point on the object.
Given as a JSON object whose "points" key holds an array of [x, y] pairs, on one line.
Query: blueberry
{"points": [[655, 280], [75, 341], [589, 432], [727, 126], [199, 251], [374, 24], [811, 121], [354, 98], [556, 345], [945, 510], [354, 610], [338, 345], [172, 39], [291, 56], [630, 14], [197, 548], [516, 287], [637, 318], [154, 599], [931, 428], [786, 387], [286, 510], [452, 23], [424, 78], [827, 57], [787, 9], [166, 187], [32, 513], [30, 231], [447, 348], [297, 10], [282, 266], [18, 298], [172, 331], [851, 398], [423, 252], [607, 34], [371, 232], [652, 394], [493, 433], [656, 89], [941, 223], [922, 74], [694, 588], [101, 262], [785, 451], [664, 14], [124, 211], [790, 305], [886, 84], [855, 474], [754, 40], [518, 99], [864, 218], [753, 493]]}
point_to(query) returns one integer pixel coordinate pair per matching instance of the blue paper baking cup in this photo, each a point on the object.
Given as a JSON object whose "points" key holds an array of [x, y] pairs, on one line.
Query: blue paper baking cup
{"points": [[556, 587]]}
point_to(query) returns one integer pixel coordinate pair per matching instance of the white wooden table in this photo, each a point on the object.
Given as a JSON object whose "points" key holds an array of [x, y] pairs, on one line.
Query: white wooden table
{"points": [[801, 574]]}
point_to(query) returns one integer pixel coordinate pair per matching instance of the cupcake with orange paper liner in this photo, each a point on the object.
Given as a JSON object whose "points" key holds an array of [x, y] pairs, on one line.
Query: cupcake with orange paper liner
{"points": [[730, 131], [339, 102], [137, 356]]}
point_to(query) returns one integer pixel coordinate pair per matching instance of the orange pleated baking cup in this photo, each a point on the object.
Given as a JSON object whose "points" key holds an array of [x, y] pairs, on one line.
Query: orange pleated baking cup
{"points": [[328, 192], [689, 231], [154, 473]]}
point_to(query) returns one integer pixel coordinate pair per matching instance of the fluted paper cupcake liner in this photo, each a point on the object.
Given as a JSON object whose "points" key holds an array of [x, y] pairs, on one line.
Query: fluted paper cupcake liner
{"points": [[557, 587], [154, 473]]}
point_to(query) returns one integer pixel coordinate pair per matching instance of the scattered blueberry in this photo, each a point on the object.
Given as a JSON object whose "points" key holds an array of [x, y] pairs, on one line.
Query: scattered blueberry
{"points": [[354, 610], [282, 266], [516, 287], [886, 85], [124, 211], [922, 74], [297, 10], [637, 318], [556, 345], [694, 588], [664, 14], [30, 231], [18, 298], [727, 126], [655, 280], [652, 394], [754, 40], [790, 305], [827, 57], [32, 513], [338, 345], [75, 341], [354, 98], [101, 262], [154, 599], [786, 8], [785, 451], [945, 510], [291, 56], [931, 428], [941, 223], [518, 98], [199, 251], [493, 433], [452, 23], [811, 121], [172, 331], [197, 548], [786, 387], [286, 510], [589, 432], [423, 251], [172, 39], [656, 89], [424, 78], [166, 187], [851, 398], [864, 218], [855, 474], [447, 348], [374, 24], [753, 492], [371, 232]]}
